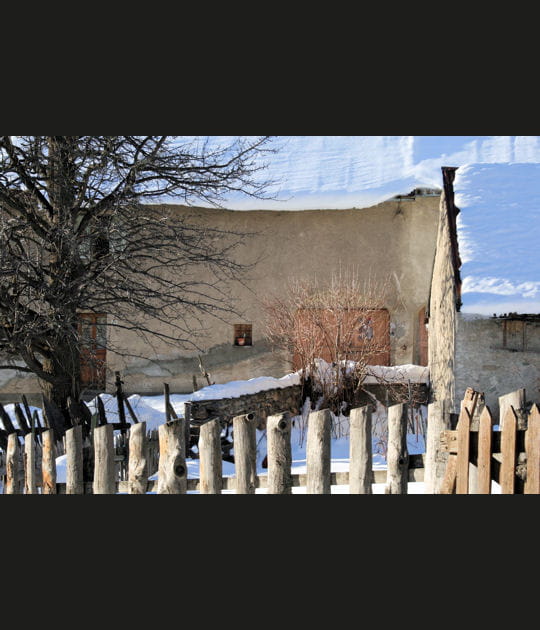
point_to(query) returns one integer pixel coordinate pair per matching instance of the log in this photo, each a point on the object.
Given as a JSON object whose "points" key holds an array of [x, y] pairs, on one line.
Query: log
{"points": [[12, 465], [397, 456], [360, 451], [104, 469], [138, 459], [210, 463], [48, 462], [278, 436], [245, 453], [515, 399], [30, 484], [172, 471], [318, 452], [74, 460], [435, 460], [532, 447]]}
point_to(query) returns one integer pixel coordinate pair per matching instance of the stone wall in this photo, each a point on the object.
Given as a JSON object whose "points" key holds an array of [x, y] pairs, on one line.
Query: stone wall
{"points": [[483, 363]]}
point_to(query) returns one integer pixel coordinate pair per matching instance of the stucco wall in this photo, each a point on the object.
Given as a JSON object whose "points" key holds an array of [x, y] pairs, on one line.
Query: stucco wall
{"points": [[485, 365], [393, 239], [442, 315]]}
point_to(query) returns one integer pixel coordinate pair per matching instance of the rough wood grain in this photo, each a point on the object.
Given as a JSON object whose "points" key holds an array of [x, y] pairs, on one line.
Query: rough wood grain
{"points": [[138, 459], [210, 462], [104, 468], [172, 470], [245, 453], [12, 485], [463, 445], [397, 456], [448, 484], [360, 451], [74, 461], [30, 485], [278, 436], [515, 399], [485, 431], [318, 452], [435, 461], [532, 448], [507, 472], [48, 462]]}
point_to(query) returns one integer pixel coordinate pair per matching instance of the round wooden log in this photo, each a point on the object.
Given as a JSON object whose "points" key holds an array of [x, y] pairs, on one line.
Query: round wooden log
{"points": [[210, 462], [12, 465], [435, 461], [318, 452], [360, 451], [138, 459], [245, 453], [278, 436], [30, 485], [48, 462], [397, 456], [74, 461], [172, 471], [104, 469]]}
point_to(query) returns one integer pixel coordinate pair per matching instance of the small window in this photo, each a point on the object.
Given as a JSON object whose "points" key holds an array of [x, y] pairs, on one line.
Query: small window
{"points": [[514, 332], [243, 335]]}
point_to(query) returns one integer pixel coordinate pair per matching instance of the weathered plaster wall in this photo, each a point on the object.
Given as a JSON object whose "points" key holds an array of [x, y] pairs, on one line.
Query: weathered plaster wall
{"points": [[394, 239], [442, 315], [485, 365]]}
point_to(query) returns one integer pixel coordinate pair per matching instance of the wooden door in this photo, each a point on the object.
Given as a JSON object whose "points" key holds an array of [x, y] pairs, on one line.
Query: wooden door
{"points": [[422, 338], [93, 331]]}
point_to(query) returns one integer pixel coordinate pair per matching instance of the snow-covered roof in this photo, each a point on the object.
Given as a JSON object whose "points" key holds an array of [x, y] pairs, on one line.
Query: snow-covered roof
{"points": [[498, 234]]}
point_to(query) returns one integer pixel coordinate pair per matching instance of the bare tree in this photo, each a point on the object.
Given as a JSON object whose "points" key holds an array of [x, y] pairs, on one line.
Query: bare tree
{"points": [[82, 231]]}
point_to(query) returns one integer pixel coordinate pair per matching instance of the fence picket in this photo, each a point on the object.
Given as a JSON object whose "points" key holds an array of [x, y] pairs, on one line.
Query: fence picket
{"points": [[29, 458], [463, 443], [245, 453], [484, 452], [397, 456], [360, 451], [278, 436], [48, 462], [74, 461], [508, 451], [12, 465], [172, 469], [210, 462], [318, 452], [532, 448], [104, 469], [138, 459]]}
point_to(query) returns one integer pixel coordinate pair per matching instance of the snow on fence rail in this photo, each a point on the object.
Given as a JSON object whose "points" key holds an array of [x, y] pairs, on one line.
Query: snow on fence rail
{"points": [[24, 476]]}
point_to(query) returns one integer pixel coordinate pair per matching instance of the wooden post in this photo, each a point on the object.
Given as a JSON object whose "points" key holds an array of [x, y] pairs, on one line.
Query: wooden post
{"points": [[172, 471], [462, 459], [360, 451], [278, 437], [397, 455], [485, 431], [104, 469], [210, 465], [138, 459], [532, 447], [30, 485], [74, 461], [318, 452], [245, 453], [12, 465], [48, 462], [507, 473], [514, 399], [120, 401], [434, 466]]}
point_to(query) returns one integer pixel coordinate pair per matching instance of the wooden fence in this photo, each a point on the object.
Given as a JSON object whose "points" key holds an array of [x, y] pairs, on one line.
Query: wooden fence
{"points": [[124, 464], [479, 454]]}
